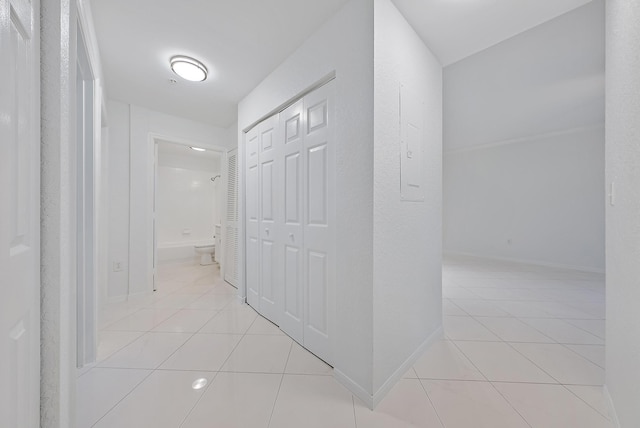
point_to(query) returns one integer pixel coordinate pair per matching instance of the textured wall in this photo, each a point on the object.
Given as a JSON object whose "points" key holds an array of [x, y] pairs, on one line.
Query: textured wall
{"points": [[623, 218], [407, 235], [58, 318]]}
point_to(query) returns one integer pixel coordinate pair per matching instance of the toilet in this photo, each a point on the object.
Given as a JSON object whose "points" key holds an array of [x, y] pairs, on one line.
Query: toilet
{"points": [[206, 253]]}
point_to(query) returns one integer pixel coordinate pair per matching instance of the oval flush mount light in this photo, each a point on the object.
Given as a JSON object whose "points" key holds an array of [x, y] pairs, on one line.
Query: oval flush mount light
{"points": [[198, 149], [188, 68]]}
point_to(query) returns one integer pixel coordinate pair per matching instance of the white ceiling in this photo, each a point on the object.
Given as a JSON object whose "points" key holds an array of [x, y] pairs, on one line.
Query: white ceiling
{"points": [[455, 29], [240, 41]]}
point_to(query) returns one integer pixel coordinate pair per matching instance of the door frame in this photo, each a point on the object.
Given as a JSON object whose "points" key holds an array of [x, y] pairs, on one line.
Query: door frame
{"points": [[152, 150]]}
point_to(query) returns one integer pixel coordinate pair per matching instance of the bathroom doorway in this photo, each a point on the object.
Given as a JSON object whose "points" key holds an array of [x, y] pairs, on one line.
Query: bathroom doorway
{"points": [[188, 203]]}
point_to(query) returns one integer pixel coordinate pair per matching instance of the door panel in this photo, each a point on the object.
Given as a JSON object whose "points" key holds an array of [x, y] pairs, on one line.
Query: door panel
{"points": [[270, 162], [291, 238], [19, 215], [319, 219], [252, 194]]}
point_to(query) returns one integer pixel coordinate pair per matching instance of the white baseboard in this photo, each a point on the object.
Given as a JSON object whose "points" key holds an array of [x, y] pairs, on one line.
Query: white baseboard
{"points": [[589, 269], [397, 375], [372, 401], [613, 415]]}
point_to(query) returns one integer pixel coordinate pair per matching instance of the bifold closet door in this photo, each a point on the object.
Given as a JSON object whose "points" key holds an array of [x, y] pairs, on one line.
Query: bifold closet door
{"points": [[252, 186], [269, 224], [319, 220], [291, 240]]}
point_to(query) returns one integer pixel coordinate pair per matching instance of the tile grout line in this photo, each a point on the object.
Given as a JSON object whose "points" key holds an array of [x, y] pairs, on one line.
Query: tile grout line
{"points": [[280, 385]]}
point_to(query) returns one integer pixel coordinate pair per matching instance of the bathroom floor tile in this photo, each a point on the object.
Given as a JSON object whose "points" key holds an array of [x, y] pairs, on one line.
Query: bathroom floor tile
{"points": [[593, 353], [563, 332], [513, 330], [211, 302], [109, 342], [142, 320], [593, 396], [263, 326], [225, 402], [483, 308]]}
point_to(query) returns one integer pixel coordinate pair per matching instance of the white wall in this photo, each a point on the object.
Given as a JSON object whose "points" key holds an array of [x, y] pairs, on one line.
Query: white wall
{"points": [[536, 200], [407, 235], [524, 146], [188, 202], [623, 218], [344, 44], [131, 131]]}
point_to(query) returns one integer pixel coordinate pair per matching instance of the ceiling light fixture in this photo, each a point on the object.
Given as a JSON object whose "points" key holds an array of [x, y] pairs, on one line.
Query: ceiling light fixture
{"points": [[198, 149], [188, 68]]}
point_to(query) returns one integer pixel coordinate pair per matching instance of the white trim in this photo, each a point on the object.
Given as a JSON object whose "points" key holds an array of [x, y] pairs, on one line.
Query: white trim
{"points": [[524, 139], [372, 401], [613, 415], [382, 392], [589, 269]]}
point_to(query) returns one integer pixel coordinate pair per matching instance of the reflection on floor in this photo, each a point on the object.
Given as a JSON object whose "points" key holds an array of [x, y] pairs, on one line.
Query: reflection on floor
{"points": [[523, 347]]}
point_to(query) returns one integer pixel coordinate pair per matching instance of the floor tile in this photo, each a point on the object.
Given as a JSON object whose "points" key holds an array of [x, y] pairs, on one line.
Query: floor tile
{"points": [[110, 342], [594, 353], [458, 293], [236, 400], [563, 364], [593, 396], [551, 406], [523, 309], [302, 361], [263, 326], [148, 351], [203, 352], [481, 308], [466, 328], [406, 406], [450, 308], [174, 301], [185, 321], [211, 302], [230, 322], [163, 400], [464, 404], [595, 327], [500, 362], [312, 402], [142, 320], [259, 354], [563, 332], [101, 389], [513, 330], [443, 360]]}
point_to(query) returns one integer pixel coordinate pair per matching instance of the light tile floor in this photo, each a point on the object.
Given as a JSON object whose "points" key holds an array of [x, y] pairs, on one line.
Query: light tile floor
{"points": [[523, 347]]}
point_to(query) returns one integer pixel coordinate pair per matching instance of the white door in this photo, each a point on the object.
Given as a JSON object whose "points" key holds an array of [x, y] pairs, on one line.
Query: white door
{"points": [[269, 165], [19, 214], [253, 218], [319, 221], [290, 241], [231, 227]]}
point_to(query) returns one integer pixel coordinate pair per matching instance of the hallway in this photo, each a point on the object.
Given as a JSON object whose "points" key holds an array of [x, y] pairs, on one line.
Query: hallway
{"points": [[523, 347]]}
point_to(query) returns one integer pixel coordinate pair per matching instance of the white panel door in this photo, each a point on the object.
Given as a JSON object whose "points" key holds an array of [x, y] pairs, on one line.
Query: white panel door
{"points": [[290, 242], [19, 214], [269, 190], [319, 221], [252, 192]]}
